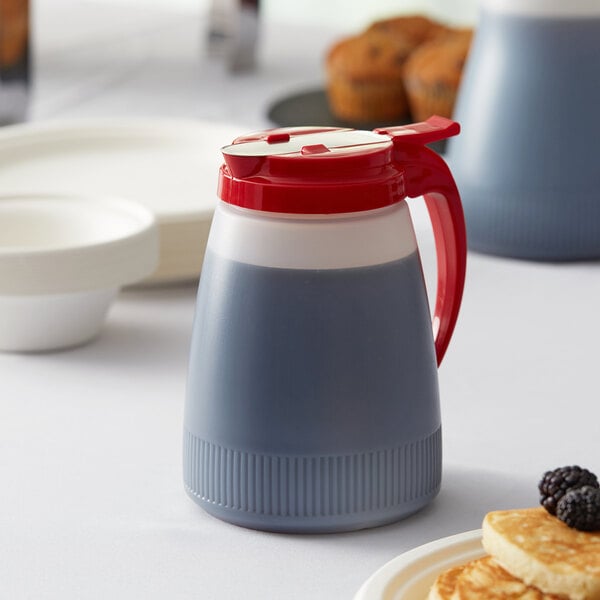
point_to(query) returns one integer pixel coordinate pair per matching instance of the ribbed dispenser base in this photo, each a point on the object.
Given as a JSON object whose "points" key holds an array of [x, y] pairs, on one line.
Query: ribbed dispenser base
{"points": [[312, 494], [547, 226]]}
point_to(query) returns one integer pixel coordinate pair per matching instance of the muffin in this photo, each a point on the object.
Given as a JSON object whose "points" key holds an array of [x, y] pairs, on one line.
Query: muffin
{"points": [[433, 72], [365, 71], [364, 77], [417, 28]]}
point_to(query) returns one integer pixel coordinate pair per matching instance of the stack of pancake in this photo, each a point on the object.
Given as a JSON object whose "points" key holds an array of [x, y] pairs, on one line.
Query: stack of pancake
{"points": [[531, 555]]}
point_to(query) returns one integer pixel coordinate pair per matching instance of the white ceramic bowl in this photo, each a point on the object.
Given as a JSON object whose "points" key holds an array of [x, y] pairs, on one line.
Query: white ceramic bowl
{"points": [[63, 260]]}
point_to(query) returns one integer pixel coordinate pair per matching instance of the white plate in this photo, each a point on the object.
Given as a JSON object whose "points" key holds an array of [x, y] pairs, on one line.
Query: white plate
{"points": [[410, 575], [170, 166]]}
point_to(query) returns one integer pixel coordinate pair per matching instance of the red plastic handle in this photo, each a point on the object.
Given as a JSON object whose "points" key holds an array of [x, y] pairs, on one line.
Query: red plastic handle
{"points": [[426, 174]]}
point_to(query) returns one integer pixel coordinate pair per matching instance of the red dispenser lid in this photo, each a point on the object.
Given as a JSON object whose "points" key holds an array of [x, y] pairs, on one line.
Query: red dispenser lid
{"points": [[327, 170], [308, 170]]}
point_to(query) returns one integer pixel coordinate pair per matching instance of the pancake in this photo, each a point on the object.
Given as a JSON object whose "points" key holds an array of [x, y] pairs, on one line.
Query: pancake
{"points": [[542, 551], [485, 578], [443, 586]]}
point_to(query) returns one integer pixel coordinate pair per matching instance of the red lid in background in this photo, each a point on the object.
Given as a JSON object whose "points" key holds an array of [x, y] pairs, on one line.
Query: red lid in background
{"points": [[308, 170]]}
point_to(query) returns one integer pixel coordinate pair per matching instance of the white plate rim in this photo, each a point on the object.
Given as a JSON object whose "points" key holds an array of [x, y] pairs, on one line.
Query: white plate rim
{"points": [[32, 131], [434, 557], [184, 227]]}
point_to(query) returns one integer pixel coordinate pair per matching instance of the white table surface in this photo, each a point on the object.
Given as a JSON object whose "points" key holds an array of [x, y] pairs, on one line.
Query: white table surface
{"points": [[91, 500]]}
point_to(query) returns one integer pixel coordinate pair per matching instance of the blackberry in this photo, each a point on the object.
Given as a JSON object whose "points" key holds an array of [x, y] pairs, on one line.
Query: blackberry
{"points": [[555, 484], [580, 508]]}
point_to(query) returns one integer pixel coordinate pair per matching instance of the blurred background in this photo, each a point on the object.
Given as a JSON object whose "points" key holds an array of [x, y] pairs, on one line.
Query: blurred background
{"points": [[97, 430], [152, 57]]}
